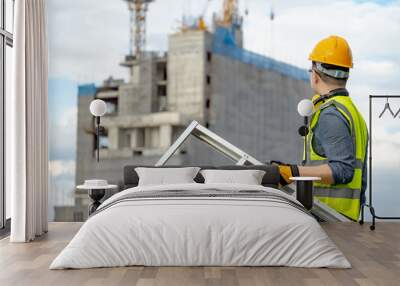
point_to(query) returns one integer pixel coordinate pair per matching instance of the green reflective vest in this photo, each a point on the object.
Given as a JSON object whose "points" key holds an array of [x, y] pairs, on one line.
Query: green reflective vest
{"points": [[344, 198]]}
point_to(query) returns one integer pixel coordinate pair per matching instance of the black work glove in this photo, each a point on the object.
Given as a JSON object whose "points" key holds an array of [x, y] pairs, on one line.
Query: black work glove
{"points": [[286, 171]]}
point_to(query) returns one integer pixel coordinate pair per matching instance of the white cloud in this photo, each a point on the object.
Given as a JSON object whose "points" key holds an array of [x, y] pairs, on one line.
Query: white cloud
{"points": [[87, 36], [386, 148], [69, 118], [59, 168]]}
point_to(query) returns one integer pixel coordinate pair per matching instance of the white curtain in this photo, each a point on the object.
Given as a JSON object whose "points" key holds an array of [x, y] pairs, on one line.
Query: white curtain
{"points": [[26, 127]]}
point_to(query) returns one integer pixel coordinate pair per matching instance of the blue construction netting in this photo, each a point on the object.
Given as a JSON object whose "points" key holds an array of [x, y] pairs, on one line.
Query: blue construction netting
{"points": [[86, 90], [224, 44]]}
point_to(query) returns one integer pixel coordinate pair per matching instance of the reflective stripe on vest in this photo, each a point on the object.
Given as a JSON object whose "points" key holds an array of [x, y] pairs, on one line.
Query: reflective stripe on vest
{"points": [[337, 193], [359, 163], [345, 198]]}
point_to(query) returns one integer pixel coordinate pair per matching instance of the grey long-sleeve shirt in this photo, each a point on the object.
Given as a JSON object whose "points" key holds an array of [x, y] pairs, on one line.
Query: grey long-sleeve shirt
{"points": [[332, 139]]}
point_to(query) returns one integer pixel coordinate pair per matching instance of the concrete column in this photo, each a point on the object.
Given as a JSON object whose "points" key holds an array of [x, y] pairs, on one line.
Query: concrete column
{"points": [[147, 138], [133, 139], [113, 138], [165, 136]]}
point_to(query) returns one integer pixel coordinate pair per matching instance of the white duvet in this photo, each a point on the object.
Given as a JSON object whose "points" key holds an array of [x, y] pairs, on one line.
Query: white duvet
{"points": [[200, 231]]}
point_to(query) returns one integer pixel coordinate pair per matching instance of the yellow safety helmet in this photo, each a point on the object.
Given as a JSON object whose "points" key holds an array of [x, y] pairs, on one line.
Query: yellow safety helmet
{"points": [[333, 50]]}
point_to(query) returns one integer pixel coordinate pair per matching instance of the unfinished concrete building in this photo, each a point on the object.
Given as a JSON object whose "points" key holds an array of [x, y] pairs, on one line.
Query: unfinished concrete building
{"points": [[248, 99]]}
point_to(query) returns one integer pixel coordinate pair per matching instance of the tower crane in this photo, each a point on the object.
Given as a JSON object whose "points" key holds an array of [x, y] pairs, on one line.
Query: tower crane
{"points": [[138, 10]]}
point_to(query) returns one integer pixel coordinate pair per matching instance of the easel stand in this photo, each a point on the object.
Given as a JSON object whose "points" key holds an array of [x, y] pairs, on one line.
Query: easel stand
{"points": [[370, 204]]}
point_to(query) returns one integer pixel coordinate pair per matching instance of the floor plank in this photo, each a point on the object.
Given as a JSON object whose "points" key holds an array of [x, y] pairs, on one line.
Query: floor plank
{"points": [[374, 255]]}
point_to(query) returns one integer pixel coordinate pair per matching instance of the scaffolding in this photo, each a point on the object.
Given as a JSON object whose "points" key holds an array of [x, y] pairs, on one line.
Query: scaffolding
{"points": [[224, 44]]}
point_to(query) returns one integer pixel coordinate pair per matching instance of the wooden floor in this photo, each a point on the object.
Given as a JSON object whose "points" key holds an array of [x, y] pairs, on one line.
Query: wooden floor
{"points": [[375, 257]]}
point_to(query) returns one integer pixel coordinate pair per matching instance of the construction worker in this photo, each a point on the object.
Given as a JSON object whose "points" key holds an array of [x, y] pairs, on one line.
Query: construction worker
{"points": [[337, 141]]}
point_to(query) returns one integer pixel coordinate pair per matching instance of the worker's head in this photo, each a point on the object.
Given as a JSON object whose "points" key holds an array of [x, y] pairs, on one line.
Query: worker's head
{"points": [[331, 60], [322, 80]]}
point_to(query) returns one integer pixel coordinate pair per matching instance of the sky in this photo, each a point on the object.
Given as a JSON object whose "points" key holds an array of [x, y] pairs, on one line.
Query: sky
{"points": [[88, 38]]}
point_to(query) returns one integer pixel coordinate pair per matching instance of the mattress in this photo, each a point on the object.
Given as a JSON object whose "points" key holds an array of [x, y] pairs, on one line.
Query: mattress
{"points": [[201, 225]]}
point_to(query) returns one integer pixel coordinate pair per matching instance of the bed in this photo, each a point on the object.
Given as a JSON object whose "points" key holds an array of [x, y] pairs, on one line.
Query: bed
{"points": [[201, 224]]}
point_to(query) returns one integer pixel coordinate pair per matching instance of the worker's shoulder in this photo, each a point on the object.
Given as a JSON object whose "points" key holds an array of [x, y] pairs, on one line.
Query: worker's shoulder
{"points": [[332, 116]]}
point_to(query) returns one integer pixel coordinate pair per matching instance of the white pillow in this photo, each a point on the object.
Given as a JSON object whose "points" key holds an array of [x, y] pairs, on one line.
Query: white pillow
{"points": [[166, 176], [247, 177]]}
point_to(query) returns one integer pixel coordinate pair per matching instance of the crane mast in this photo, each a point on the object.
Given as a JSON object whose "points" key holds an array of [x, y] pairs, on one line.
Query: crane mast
{"points": [[230, 12], [138, 10]]}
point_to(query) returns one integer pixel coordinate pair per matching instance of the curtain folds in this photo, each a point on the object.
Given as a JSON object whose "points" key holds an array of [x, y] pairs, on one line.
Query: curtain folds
{"points": [[27, 148]]}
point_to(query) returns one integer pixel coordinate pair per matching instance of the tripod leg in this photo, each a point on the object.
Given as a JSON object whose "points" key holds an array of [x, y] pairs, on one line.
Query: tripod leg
{"points": [[372, 210], [361, 221]]}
